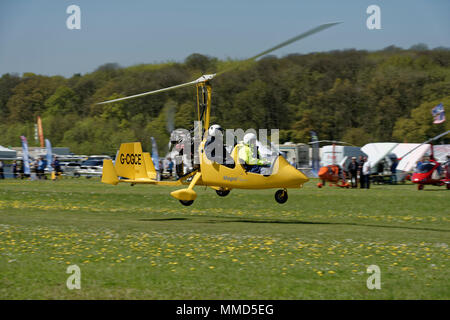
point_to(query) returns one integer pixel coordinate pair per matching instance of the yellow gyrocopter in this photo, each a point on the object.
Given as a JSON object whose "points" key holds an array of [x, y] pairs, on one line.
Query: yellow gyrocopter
{"points": [[136, 167]]}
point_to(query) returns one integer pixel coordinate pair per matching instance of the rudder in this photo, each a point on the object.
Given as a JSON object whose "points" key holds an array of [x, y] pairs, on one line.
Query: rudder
{"points": [[130, 161]]}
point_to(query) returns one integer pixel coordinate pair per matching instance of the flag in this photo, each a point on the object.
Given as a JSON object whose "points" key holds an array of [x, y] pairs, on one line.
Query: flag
{"points": [[40, 131], [155, 157], [315, 153], [25, 158], [49, 155], [438, 113]]}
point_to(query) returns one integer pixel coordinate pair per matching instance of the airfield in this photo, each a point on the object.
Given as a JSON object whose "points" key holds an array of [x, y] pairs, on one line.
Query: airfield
{"points": [[140, 243]]}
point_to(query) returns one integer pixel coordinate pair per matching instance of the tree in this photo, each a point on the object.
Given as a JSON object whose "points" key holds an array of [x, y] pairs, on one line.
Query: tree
{"points": [[419, 127], [7, 84], [63, 101]]}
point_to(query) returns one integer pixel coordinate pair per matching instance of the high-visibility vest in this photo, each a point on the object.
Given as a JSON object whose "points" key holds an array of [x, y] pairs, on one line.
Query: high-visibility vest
{"points": [[246, 155]]}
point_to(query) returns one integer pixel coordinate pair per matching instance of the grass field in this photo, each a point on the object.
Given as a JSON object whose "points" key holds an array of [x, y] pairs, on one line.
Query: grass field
{"points": [[140, 243]]}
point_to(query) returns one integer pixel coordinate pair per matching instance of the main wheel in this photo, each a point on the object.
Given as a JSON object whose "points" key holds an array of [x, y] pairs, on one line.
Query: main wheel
{"points": [[186, 202], [281, 196], [420, 187], [222, 193]]}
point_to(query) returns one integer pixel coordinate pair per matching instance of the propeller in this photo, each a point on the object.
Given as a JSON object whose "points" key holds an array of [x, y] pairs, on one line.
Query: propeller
{"points": [[208, 77]]}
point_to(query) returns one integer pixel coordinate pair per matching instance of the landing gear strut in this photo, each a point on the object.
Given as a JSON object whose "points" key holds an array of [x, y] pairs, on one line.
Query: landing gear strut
{"points": [[281, 196]]}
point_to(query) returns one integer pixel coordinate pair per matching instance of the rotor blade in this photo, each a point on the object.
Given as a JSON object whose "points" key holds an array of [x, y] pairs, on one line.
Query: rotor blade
{"points": [[294, 39], [203, 78], [425, 142], [332, 141], [287, 42], [151, 92]]}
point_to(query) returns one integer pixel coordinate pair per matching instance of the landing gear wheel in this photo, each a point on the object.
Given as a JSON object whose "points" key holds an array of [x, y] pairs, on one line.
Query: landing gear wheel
{"points": [[222, 193], [420, 187], [448, 186], [281, 196], [319, 185], [186, 202]]}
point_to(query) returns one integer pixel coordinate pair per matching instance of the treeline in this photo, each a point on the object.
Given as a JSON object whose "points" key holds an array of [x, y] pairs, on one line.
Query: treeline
{"points": [[351, 95]]}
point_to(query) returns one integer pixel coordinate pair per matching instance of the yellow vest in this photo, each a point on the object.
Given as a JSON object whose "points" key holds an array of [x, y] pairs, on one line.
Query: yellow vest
{"points": [[246, 155]]}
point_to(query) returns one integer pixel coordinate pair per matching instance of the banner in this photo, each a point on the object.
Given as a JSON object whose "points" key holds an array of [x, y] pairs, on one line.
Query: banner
{"points": [[49, 155], [40, 131], [315, 153], [438, 113], [25, 158], [155, 157]]}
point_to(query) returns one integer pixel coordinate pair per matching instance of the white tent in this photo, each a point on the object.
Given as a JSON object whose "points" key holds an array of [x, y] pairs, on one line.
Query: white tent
{"points": [[408, 162], [377, 152], [441, 151], [7, 154]]}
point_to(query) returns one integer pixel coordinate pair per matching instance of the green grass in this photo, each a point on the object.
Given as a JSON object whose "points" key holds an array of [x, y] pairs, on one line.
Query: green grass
{"points": [[140, 243]]}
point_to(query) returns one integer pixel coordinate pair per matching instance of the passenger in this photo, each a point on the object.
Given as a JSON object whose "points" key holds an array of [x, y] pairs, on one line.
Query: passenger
{"points": [[249, 154]]}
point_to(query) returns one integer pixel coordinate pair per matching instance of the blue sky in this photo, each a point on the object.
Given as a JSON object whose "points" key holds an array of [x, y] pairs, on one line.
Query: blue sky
{"points": [[34, 36]]}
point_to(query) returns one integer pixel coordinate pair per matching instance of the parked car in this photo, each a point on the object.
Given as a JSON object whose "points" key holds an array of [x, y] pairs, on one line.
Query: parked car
{"points": [[92, 167], [71, 169]]}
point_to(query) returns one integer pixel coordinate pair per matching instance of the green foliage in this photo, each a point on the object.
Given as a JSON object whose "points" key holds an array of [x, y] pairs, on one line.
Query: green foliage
{"points": [[419, 127], [350, 95]]}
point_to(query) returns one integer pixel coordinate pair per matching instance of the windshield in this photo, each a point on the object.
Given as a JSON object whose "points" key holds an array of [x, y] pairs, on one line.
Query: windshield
{"points": [[92, 163], [424, 167]]}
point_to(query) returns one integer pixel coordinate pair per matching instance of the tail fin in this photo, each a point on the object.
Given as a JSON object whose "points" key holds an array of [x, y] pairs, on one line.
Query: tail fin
{"points": [[109, 173], [133, 164]]}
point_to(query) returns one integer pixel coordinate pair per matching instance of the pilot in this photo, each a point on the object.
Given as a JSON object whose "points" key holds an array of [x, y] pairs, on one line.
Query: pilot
{"points": [[215, 147], [248, 154]]}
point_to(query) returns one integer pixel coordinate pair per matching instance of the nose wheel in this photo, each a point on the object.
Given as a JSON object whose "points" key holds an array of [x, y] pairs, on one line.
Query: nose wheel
{"points": [[186, 202], [281, 196]]}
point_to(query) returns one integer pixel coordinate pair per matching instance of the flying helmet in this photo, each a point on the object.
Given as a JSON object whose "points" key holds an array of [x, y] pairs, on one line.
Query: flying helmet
{"points": [[214, 130], [250, 138]]}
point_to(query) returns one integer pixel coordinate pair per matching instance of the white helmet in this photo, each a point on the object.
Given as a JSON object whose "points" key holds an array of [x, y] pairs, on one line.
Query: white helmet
{"points": [[249, 138], [214, 130]]}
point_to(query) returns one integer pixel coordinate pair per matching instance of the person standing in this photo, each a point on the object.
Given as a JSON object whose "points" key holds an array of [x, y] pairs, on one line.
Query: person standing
{"points": [[21, 168], [14, 169], [2, 176], [394, 171], [353, 170], [360, 163], [161, 169], [294, 163], [39, 168], [34, 169], [366, 174], [170, 167]]}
